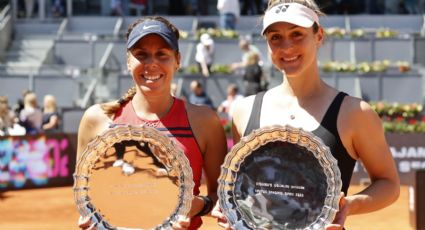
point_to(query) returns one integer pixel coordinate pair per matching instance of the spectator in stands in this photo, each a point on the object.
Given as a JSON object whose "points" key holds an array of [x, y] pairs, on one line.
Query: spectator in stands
{"points": [[198, 7], [139, 6], [51, 116], [177, 92], [19, 106], [116, 8], [233, 96], [6, 116], [29, 8], [347, 125], [58, 8], [198, 96], [229, 11], [31, 116], [204, 55], [153, 58], [246, 46], [252, 7], [253, 76]]}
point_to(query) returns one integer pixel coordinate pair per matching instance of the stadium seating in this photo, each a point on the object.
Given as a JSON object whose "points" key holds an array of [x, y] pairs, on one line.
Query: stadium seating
{"points": [[79, 44]]}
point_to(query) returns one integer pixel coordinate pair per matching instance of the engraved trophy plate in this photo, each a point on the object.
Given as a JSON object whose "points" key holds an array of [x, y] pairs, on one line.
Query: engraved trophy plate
{"points": [[133, 177], [279, 177]]}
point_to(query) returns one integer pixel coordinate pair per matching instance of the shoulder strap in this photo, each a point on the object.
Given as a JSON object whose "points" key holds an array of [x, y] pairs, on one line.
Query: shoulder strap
{"points": [[330, 119], [254, 118]]}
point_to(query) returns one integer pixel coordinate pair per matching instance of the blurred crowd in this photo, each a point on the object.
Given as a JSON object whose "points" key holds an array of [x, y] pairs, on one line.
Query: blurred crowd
{"points": [[57, 8], [27, 117]]}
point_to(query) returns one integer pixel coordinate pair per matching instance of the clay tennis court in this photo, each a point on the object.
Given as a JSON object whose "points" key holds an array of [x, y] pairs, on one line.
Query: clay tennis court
{"points": [[54, 208]]}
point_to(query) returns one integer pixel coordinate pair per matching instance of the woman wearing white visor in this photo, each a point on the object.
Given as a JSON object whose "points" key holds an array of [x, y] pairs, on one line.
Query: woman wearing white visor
{"points": [[348, 125]]}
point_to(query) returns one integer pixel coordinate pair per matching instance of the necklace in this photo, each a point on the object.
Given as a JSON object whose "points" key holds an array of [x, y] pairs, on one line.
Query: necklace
{"points": [[152, 124]]}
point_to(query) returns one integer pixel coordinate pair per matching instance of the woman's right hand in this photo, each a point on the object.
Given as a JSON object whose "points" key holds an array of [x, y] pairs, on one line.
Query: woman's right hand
{"points": [[221, 219]]}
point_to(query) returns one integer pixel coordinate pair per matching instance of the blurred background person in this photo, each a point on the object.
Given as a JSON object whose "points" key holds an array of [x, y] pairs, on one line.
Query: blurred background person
{"points": [[229, 11], [198, 96], [19, 106], [253, 77], [246, 46], [58, 8], [252, 7], [6, 116], [176, 91], [138, 7], [226, 107], [116, 8], [31, 116], [51, 116], [205, 54], [29, 8]]}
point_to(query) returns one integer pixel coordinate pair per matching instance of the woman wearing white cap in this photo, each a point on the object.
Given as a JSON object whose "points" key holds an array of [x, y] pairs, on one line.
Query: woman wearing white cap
{"points": [[152, 59], [348, 125], [204, 55]]}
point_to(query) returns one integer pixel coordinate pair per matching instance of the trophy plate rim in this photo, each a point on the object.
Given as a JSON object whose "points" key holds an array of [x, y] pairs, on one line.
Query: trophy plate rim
{"points": [[260, 137], [171, 155]]}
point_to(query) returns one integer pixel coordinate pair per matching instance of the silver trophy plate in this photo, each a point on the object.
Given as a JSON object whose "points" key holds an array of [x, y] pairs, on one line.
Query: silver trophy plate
{"points": [[133, 177], [279, 177]]}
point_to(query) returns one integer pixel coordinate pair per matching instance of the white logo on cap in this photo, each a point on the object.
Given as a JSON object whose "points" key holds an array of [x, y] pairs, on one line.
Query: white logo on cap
{"points": [[145, 27], [281, 9]]}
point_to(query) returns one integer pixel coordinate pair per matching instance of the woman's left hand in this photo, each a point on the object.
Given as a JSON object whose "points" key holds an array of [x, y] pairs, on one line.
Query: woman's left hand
{"points": [[341, 215], [221, 219]]}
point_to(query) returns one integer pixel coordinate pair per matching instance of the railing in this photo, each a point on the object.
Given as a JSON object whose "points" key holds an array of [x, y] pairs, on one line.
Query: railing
{"points": [[5, 30], [5, 12], [62, 28]]}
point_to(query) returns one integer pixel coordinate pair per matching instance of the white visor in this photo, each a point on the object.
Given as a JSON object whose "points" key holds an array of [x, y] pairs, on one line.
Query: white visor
{"points": [[293, 13]]}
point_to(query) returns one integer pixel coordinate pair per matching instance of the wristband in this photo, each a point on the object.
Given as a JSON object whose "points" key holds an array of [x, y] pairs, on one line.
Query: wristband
{"points": [[208, 206]]}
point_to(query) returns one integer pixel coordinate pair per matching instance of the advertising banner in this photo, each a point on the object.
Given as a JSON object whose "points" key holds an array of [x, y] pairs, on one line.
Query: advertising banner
{"points": [[37, 161]]}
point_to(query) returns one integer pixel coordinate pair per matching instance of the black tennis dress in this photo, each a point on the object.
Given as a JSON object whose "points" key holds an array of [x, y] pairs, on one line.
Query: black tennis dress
{"points": [[327, 131]]}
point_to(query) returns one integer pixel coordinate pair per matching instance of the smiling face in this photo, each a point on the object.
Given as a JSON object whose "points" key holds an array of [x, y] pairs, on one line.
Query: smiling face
{"points": [[152, 63], [292, 48]]}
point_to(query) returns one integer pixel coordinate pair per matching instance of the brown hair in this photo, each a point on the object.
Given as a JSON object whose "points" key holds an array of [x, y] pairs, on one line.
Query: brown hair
{"points": [[308, 3], [111, 107], [30, 100], [4, 106]]}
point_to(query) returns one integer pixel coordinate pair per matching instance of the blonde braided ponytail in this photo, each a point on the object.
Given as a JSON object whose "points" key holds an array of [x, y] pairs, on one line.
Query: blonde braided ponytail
{"points": [[111, 108]]}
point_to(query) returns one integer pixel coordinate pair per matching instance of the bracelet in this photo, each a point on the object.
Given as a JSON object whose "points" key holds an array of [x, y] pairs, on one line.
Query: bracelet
{"points": [[208, 206]]}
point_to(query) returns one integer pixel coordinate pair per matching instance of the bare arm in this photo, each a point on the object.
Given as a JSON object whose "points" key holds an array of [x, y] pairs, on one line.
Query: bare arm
{"points": [[93, 123], [204, 68], [369, 143], [212, 140], [53, 121]]}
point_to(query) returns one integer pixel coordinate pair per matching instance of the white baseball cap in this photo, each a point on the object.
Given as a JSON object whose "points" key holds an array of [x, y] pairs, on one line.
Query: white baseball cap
{"points": [[293, 13], [206, 39]]}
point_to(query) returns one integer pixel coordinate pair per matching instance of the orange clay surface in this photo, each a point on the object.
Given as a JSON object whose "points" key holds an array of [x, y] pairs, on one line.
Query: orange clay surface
{"points": [[54, 208]]}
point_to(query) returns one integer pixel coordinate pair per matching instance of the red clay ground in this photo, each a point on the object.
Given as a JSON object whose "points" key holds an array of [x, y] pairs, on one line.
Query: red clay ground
{"points": [[54, 208]]}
